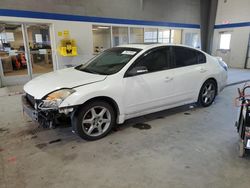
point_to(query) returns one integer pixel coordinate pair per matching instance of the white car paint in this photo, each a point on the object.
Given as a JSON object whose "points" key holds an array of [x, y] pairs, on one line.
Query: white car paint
{"points": [[136, 95], [65, 78]]}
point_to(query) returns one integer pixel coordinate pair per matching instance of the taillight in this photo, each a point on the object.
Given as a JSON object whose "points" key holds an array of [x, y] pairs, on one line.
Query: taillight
{"points": [[223, 64]]}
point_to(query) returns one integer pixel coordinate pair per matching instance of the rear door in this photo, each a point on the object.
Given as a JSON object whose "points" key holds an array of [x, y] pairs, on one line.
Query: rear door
{"points": [[189, 72]]}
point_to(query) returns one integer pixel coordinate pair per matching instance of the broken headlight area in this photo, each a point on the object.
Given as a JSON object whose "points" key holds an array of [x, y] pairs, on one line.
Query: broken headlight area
{"points": [[49, 115], [49, 104], [53, 100]]}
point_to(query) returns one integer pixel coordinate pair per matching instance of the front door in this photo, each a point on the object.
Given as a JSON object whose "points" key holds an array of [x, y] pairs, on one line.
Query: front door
{"points": [[153, 89]]}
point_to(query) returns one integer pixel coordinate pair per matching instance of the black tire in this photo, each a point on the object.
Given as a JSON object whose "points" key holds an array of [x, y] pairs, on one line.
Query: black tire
{"points": [[84, 129], [204, 100]]}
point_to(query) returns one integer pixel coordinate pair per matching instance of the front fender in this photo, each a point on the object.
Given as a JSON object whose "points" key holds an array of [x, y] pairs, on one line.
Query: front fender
{"points": [[99, 89]]}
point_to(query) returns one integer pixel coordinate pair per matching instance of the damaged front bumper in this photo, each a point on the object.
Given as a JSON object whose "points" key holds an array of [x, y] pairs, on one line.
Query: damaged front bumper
{"points": [[28, 109], [46, 118]]}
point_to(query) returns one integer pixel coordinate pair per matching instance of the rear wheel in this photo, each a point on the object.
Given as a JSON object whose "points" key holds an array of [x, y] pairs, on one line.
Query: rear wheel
{"points": [[94, 121], [207, 93]]}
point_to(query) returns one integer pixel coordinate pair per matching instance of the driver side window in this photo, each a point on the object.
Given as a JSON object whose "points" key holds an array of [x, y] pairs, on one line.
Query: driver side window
{"points": [[155, 60]]}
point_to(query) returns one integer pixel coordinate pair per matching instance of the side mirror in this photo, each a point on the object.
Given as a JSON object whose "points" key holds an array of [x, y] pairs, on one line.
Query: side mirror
{"points": [[137, 70]]}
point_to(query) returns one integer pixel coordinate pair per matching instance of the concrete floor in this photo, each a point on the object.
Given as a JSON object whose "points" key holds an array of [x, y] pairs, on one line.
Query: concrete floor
{"points": [[238, 75], [182, 148]]}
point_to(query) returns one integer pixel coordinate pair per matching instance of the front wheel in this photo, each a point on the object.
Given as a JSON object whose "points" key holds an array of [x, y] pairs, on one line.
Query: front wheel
{"points": [[207, 93], [94, 121]]}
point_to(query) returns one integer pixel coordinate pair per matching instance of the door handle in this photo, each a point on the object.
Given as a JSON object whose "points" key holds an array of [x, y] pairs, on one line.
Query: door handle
{"points": [[168, 79], [202, 70]]}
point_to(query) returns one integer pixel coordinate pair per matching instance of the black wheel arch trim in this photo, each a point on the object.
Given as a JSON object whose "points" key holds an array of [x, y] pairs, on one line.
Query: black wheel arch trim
{"points": [[109, 100]]}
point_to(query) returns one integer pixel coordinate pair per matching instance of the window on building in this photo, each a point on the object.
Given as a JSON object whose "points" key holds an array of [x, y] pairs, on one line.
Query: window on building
{"points": [[136, 35], [101, 38], [164, 35], [225, 39], [12, 54], [150, 35], [176, 36], [192, 39], [120, 35]]}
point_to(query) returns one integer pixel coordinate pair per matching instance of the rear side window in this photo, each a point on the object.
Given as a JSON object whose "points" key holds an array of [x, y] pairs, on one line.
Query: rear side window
{"points": [[201, 57], [183, 56]]}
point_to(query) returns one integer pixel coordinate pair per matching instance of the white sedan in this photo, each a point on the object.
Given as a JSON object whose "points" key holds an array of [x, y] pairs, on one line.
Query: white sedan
{"points": [[122, 83]]}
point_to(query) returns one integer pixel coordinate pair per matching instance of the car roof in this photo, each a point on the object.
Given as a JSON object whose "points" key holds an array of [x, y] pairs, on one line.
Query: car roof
{"points": [[146, 46], [149, 45], [138, 45]]}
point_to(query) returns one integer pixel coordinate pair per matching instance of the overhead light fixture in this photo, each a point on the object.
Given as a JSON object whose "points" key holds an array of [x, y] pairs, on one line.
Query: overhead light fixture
{"points": [[103, 27], [94, 29]]}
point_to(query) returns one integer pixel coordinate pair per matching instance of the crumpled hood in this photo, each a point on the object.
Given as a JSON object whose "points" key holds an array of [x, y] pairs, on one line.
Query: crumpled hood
{"points": [[65, 78]]}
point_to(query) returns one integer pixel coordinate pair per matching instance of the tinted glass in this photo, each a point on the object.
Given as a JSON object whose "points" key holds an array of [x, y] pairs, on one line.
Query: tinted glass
{"points": [[110, 61], [184, 56], [201, 57], [155, 60]]}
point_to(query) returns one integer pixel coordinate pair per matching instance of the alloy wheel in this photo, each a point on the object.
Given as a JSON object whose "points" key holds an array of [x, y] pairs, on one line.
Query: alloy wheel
{"points": [[208, 93], [96, 121]]}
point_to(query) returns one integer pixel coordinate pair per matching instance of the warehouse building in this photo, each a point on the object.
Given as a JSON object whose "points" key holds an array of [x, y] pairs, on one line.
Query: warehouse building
{"points": [[131, 76]]}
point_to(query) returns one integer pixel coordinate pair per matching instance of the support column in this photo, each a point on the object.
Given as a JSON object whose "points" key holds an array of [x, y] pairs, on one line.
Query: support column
{"points": [[208, 9], [27, 50]]}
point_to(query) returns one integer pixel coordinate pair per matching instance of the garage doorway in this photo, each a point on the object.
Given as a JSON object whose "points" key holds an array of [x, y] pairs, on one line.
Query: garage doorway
{"points": [[224, 48], [25, 52]]}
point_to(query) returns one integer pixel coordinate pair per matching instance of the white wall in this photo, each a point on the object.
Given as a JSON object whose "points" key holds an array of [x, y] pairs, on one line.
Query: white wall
{"points": [[239, 39], [232, 11], [82, 33]]}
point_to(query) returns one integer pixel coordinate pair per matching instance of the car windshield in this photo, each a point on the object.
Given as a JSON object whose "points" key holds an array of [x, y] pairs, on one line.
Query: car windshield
{"points": [[110, 61]]}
